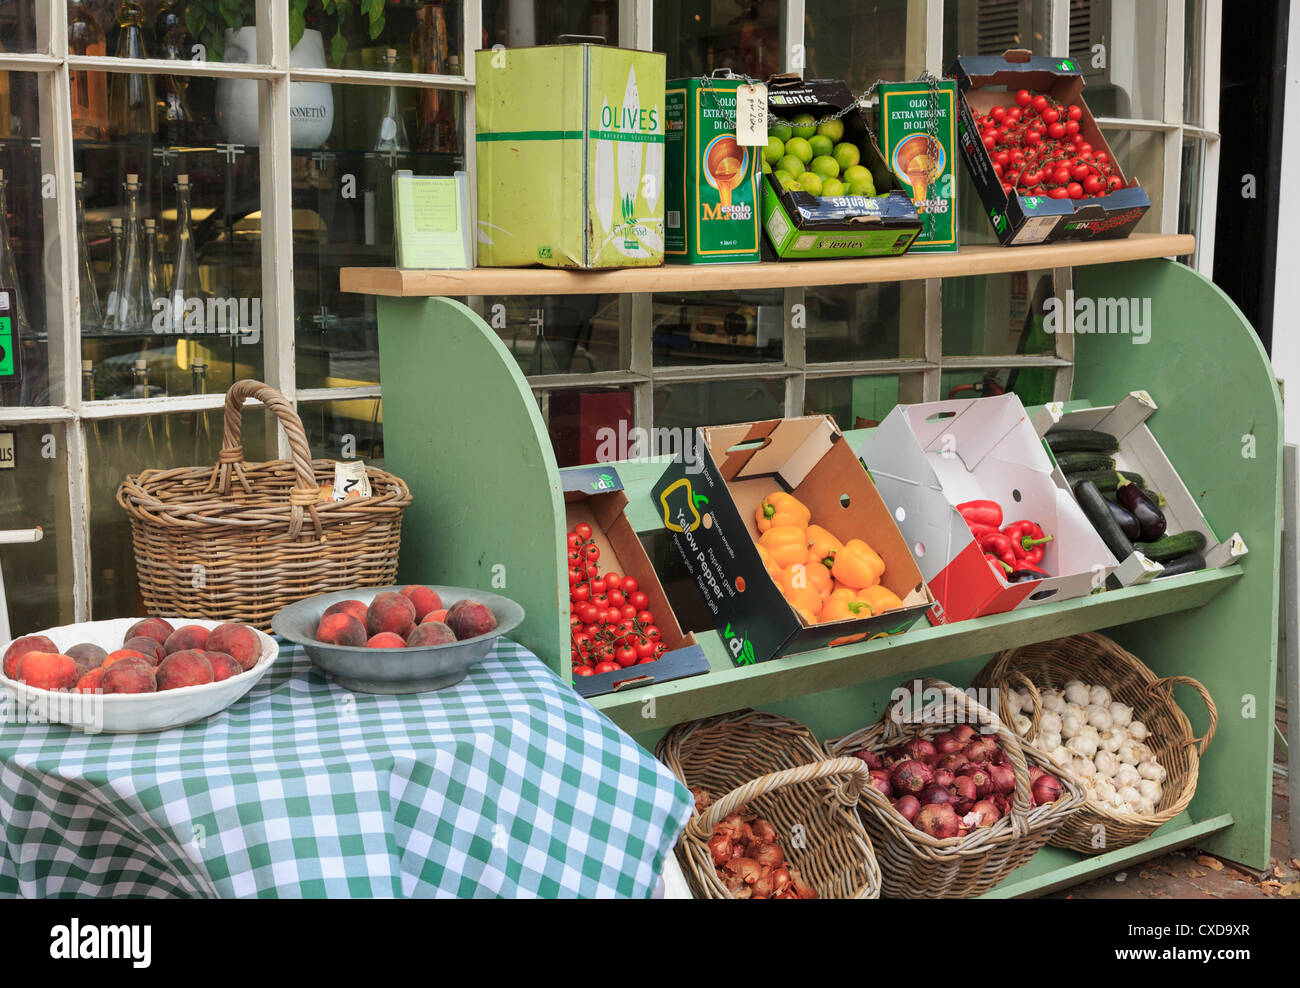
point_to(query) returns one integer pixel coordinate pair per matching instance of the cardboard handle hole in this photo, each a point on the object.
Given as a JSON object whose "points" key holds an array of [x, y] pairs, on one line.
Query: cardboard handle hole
{"points": [[919, 549], [1015, 496], [844, 500], [900, 514], [745, 447], [1044, 594], [940, 416]]}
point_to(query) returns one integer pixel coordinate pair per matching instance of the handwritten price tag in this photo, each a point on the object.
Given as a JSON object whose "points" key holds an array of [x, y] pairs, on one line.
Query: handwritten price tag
{"points": [[350, 480], [751, 115]]}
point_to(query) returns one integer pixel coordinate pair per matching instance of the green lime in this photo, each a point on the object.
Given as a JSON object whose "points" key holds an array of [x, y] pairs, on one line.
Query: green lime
{"points": [[780, 130], [826, 167], [832, 130], [862, 187], [800, 148], [782, 177], [811, 182], [833, 187], [805, 125], [821, 145], [767, 167], [856, 173], [792, 186], [791, 165], [847, 155], [774, 151]]}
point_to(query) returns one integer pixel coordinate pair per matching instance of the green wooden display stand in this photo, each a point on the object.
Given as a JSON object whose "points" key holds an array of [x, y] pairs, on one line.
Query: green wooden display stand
{"points": [[463, 429]]}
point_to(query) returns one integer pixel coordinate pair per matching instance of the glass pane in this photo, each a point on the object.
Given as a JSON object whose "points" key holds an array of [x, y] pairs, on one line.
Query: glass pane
{"points": [[422, 36], [855, 402], [702, 35], [1189, 191], [349, 429], [342, 184], [860, 42], [22, 22], [120, 447], [684, 405], [37, 576], [1034, 385], [718, 327], [1131, 81], [557, 334], [200, 30], [170, 259], [520, 23], [992, 26], [1142, 156], [1193, 54], [578, 419], [859, 322], [996, 314]]}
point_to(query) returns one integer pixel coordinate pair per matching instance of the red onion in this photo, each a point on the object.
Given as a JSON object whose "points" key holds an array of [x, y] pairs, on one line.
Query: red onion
{"points": [[937, 820], [898, 753], [1004, 778], [934, 794], [1001, 758], [963, 792], [763, 831], [943, 777], [979, 774], [981, 750], [870, 757], [1001, 802], [987, 813], [746, 869], [922, 750], [720, 849], [767, 855], [946, 744], [910, 776], [780, 879], [909, 806], [1034, 773], [1046, 789], [963, 732], [734, 826], [952, 762], [880, 782]]}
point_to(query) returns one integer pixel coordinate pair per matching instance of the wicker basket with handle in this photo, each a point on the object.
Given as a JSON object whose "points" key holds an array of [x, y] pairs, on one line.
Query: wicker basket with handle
{"points": [[1096, 660], [773, 766], [918, 866], [238, 541]]}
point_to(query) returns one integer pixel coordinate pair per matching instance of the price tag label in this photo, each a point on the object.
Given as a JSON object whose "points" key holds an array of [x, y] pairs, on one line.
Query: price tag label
{"points": [[751, 115], [350, 480], [9, 366]]}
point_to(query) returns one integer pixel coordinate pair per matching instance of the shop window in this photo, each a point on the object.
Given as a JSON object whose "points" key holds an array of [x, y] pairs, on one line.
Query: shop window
{"points": [[557, 334], [682, 405], [859, 322], [347, 429], [996, 314], [694, 328], [522, 23], [700, 36], [854, 402]]}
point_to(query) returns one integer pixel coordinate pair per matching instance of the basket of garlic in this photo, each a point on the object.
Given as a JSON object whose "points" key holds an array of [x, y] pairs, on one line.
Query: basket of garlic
{"points": [[1098, 712]]}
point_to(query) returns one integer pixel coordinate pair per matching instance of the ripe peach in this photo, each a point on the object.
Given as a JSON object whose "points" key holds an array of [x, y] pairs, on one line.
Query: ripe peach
{"points": [[31, 643], [87, 656], [431, 633], [354, 607], [130, 675], [150, 648], [341, 629], [188, 667], [386, 639], [424, 599], [238, 641], [390, 612], [438, 615], [92, 681], [223, 666], [469, 619], [125, 653], [48, 670], [184, 639], [154, 627]]}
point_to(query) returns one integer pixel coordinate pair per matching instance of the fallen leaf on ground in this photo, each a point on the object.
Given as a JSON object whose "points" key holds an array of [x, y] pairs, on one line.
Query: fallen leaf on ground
{"points": [[1278, 871], [1270, 887], [1147, 876], [1194, 873], [1295, 862], [1214, 864], [1291, 889], [1236, 875]]}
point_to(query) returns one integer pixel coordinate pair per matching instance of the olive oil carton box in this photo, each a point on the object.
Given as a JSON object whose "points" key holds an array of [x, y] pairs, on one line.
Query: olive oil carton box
{"points": [[910, 114], [712, 181], [570, 154]]}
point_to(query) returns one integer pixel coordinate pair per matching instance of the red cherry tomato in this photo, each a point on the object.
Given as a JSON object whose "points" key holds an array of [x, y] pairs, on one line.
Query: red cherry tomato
{"points": [[1061, 176], [639, 600], [1033, 138], [1056, 131], [1093, 185], [616, 598], [593, 571], [643, 647], [660, 649], [584, 670], [1024, 97], [608, 666], [591, 553], [1008, 188], [645, 617], [583, 530], [1079, 172], [575, 557], [1039, 103], [1074, 190], [1072, 127], [652, 632], [1085, 149], [586, 613], [1050, 115], [630, 585], [998, 113], [625, 657], [613, 616], [997, 169], [581, 642], [580, 592], [591, 630], [612, 581], [1113, 183], [989, 139], [1074, 112], [1058, 193], [575, 576], [628, 612], [1101, 157]]}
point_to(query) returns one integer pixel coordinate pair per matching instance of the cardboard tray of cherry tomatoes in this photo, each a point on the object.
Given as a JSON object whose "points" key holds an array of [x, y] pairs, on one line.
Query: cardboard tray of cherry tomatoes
{"points": [[645, 644]]}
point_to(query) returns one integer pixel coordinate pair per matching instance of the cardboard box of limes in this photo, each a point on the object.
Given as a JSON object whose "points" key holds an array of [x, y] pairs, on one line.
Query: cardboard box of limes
{"points": [[570, 155], [711, 181], [827, 190], [909, 115]]}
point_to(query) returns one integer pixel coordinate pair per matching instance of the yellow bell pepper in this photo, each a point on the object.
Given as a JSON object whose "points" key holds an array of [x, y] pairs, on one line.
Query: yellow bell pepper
{"points": [[801, 575], [858, 565], [778, 509], [843, 605], [881, 598], [786, 544], [772, 568], [822, 547], [806, 601]]}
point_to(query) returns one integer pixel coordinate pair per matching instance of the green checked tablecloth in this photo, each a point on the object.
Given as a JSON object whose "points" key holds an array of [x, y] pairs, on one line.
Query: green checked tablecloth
{"points": [[507, 784]]}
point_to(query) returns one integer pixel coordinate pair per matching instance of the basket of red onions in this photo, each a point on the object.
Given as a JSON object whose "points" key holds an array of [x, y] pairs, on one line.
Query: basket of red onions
{"points": [[774, 817], [957, 801]]}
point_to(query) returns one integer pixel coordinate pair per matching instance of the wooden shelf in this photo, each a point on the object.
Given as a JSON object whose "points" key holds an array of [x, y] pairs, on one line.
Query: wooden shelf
{"points": [[974, 260]]}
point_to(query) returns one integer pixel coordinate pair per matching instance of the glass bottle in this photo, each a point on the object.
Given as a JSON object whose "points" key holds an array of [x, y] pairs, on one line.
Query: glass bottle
{"points": [[185, 285], [140, 379], [6, 124], [132, 104], [134, 305], [171, 41], [169, 31], [91, 314], [429, 52], [391, 136], [87, 380], [152, 281], [203, 445], [89, 89], [114, 276], [9, 269]]}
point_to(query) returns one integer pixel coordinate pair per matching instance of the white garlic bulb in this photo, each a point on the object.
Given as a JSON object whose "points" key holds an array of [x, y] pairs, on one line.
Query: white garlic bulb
{"points": [[1121, 715], [1150, 789], [1129, 794], [1128, 754], [1110, 740], [1100, 696], [1099, 717], [1049, 741], [1052, 701], [1022, 724], [1087, 730], [1077, 693], [1050, 722], [1070, 724], [1144, 807], [1083, 767], [1151, 769], [1107, 763], [1061, 755], [1117, 801], [1082, 745], [1104, 789], [1127, 776], [1137, 730]]}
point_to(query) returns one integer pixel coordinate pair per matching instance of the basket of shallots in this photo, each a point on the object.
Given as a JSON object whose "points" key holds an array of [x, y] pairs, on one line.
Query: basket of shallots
{"points": [[774, 817]]}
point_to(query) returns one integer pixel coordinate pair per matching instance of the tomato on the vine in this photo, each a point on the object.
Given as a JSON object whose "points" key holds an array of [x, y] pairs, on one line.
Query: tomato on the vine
{"points": [[630, 585], [580, 592], [652, 632], [609, 665], [583, 530], [616, 598], [584, 670], [645, 617], [639, 600], [1024, 97], [628, 612], [625, 657], [643, 647], [591, 552], [574, 540]]}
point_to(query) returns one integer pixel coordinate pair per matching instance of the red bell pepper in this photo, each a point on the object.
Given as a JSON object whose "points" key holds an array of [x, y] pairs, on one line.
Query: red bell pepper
{"points": [[981, 513], [997, 565], [999, 546], [1027, 540]]}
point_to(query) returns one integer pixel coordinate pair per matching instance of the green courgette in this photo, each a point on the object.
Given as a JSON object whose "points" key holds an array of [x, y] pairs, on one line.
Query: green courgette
{"points": [[1079, 462], [1106, 480], [1098, 512], [1081, 441], [1172, 546], [1189, 563]]}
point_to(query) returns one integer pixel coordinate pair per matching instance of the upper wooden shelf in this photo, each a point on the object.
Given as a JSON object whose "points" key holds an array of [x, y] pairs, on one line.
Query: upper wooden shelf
{"points": [[977, 259]]}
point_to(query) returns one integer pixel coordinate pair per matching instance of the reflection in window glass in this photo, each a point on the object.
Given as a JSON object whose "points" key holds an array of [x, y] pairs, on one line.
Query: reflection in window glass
{"points": [[990, 27], [859, 322], [1131, 82], [718, 327], [557, 334], [1141, 154], [702, 35], [18, 24], [1193, 33], [120, 447], [859, 42], [37, 576], [683, 405], [1033, 385], [577, 420], [1189, 192], [521, 23], [855, 402], [350, 429], [996, 314]]}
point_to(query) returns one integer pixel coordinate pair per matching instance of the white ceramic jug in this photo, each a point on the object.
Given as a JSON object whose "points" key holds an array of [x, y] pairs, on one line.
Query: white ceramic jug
{"points": [[311, 104]]}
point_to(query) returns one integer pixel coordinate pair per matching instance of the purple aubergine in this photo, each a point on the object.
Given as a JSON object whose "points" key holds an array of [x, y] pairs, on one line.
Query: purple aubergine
{"points": [[1151, 521], [1125, 520]]}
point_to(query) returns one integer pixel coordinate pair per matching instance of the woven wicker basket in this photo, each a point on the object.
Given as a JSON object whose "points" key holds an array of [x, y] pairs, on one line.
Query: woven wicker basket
{"points": [[1095, 659], [773, 766], [918, 866], [238, 541]]}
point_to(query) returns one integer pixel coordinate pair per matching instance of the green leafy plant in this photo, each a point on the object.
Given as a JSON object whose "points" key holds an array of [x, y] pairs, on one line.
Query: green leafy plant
{"points": [[208, 20]]}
